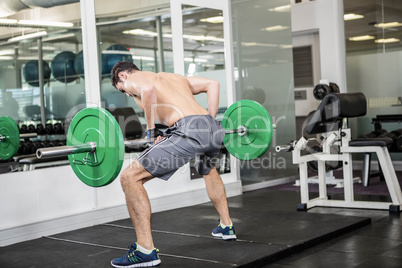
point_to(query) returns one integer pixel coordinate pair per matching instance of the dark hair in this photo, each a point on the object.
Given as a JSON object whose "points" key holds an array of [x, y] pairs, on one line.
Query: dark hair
{"points": [[122, 66]]}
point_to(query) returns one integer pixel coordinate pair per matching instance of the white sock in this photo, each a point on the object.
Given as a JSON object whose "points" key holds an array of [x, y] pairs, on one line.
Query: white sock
{"points": [[224, 226], [144, 250]]}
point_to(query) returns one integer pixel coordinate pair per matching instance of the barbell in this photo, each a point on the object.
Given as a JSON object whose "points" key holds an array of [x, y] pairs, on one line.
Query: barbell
{"points": [[95, 143], [10, 137]]}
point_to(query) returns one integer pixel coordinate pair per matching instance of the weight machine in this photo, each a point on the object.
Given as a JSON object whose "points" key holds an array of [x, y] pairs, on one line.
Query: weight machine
{"points": [[330, 119]]}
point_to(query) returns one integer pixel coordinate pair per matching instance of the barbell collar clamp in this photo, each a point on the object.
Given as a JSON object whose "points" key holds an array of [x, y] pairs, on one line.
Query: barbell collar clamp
{"points": [[241, 130]]}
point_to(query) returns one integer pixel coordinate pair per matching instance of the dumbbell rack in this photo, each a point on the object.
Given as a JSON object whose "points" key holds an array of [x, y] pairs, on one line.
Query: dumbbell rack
{"points": [[43, 133], [48, 135], [386, 118]]}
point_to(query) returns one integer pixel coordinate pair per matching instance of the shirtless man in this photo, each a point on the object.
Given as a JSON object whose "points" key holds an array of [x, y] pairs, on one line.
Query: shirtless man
{"points": [[192, 133]]}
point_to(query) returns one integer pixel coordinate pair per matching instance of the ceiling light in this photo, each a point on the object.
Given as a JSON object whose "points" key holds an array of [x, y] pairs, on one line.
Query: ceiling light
{"points": [[352, 16], [186, 36], [6, 58], [388, 40], [361, 38], [195, 60], [217, 19], [45, 48], [140, 32], [203, 38], [27, 36], [59, 36], [275, 28], [7, 52], [255, 44], [388, 24], [284, 8], [45, 23], [143, 58], [8, 21]]}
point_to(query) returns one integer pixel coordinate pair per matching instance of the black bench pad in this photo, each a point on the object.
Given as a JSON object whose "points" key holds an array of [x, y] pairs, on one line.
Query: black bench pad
{"points": [[371, 142]]}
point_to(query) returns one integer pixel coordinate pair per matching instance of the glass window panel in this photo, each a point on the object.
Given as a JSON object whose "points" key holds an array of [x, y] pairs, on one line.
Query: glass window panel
{"points": [[264, 73], [373, 61], [203, 42], [63, 92], [125, 37]]}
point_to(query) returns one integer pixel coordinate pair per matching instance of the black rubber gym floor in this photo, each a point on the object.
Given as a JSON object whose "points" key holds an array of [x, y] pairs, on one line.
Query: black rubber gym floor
{"points": [[266, 228]]}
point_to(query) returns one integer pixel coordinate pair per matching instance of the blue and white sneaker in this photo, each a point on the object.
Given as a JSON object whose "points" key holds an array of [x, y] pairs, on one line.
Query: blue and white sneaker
{"points": [[135, 258], [227, 233]]}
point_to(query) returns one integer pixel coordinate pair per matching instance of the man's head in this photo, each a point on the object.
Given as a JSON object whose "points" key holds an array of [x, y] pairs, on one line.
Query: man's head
{"points": [[119, 67]]}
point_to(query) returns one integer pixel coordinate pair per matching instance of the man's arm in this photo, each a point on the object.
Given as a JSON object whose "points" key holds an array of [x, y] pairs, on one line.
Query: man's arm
{"points": [[211, 87], [147, 99]]}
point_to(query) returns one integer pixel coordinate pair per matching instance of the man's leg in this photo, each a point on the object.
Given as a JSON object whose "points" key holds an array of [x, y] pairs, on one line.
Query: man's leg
{"points": [[217, 194], [138, 205]]}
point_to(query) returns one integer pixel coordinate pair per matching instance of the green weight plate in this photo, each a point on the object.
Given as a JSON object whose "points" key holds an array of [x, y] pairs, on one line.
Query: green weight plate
{"points": [[256, 120], [99, 126], [10, 137]]}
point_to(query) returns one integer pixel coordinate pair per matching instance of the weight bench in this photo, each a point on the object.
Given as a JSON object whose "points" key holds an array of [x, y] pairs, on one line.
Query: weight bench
{"points": [[330, 120], [361, 142]]}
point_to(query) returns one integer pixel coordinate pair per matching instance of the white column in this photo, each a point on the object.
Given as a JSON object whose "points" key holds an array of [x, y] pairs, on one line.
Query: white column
{"points": [[91, 63], [90, 52], [332, 42]]}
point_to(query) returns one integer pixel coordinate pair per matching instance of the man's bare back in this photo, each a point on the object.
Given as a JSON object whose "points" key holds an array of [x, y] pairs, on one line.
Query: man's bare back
{"points": [[168, 97], [173, 95]]}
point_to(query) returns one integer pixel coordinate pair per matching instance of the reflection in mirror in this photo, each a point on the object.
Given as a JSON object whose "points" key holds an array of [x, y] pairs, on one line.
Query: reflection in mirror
{"points": [[147, 42], [40, 87], [203, 42], [373, 34]]}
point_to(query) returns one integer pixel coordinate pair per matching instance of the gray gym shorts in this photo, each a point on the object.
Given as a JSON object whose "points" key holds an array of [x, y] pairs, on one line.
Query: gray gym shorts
{"points": [[197, 137]]}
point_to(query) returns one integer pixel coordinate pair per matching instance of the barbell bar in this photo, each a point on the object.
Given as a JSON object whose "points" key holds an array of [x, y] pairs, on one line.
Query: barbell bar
{"points": [[95, 144], [90, 147], [21, 136]]}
